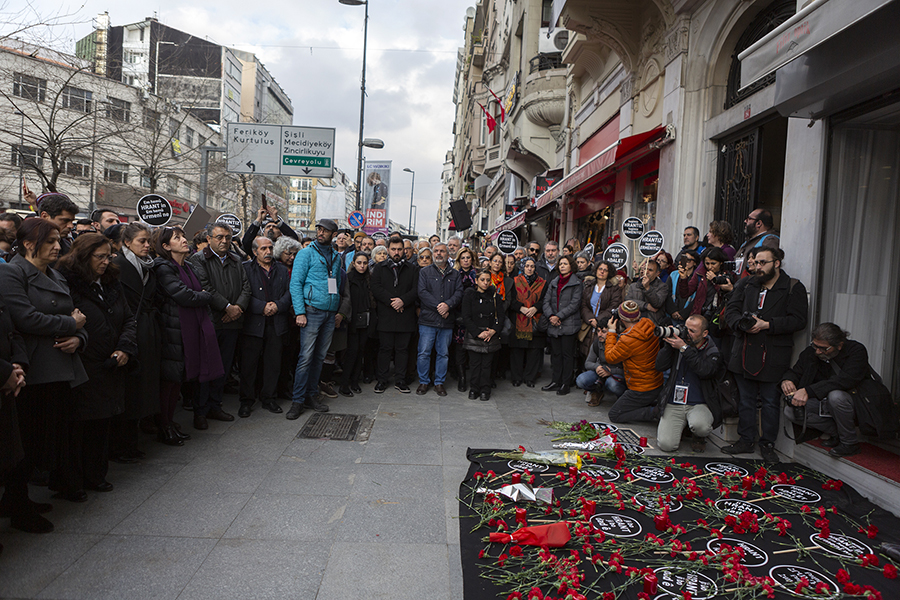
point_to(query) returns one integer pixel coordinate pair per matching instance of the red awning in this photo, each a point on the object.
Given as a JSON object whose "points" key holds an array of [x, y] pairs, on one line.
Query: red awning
{"points": [[608, 160], [517, 220]]}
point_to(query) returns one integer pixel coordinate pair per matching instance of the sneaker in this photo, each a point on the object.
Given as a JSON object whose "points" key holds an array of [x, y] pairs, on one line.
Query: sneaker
{"points": [[380, 387], [327, 389], [295, 411], [402, 388], [843, 449], [767, 451], [739, 447], [316, 405]]}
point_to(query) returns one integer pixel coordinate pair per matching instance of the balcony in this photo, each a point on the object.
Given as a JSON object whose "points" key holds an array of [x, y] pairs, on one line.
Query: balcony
{"points": [[544, 93]]}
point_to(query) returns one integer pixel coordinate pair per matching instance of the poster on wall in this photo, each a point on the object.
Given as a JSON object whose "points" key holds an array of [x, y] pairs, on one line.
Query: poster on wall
{"points": [[377, 185]]}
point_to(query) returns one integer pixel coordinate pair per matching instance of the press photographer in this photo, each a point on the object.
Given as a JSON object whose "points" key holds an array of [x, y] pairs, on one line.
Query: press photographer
{"points": [[690, 394], [635, 347]]}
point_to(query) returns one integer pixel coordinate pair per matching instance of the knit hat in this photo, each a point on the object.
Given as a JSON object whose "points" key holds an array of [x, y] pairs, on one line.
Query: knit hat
{"points": [[629, 310]]}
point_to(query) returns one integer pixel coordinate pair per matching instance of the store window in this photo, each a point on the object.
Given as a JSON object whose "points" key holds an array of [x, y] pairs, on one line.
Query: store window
{"points": [[645, 190], [859, 273]]}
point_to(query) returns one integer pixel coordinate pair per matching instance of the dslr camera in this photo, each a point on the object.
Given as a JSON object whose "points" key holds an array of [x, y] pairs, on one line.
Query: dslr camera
{"points": [[747, 321], [615, 314], [720, 279], [668, 331]]}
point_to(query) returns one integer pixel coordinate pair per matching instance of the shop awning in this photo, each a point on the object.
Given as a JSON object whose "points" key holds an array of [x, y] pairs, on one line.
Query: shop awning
{"points": [[811, 26], [516, 220], [608, 159]]}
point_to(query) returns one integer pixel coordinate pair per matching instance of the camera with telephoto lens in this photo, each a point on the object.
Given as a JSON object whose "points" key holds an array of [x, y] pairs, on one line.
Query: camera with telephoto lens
{"points": [[669, 331], [747, 322]]}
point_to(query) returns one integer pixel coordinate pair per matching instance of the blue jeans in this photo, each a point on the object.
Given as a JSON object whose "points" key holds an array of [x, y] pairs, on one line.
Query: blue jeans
{"points": [[589, 380], [315, 340], [770, 415], [439, 339]]}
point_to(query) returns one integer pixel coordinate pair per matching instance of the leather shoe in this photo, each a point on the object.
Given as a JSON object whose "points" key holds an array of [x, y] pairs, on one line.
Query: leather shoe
{"points": [[563, 390], [461, 385], [440, 390], [550, 387], [356, 389], [30, 522], [516, 383], [345, 391], [831, 441], [200, 422], [176, 431], [71, 496], [103, 486], [529, 383], [244, 411], [317, 406], [473, 395], [272, 408], [767, 451], [295, 411], [31, 506], [484, 397], [422, 389], [739, 447], [217, 414], [123, 460], [843, 449]]}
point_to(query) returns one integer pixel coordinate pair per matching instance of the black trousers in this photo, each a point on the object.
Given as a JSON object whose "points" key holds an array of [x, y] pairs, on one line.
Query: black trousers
{"points": [[480, 372], [524, 363], [210, 395], [393, 344], [459, 358], [353, 356], [84, 460], [370, 357], [290, 349], [562, 358], [268, 347]]}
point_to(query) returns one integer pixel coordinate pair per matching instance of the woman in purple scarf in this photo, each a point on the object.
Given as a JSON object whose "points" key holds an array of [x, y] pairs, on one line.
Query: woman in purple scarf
{"points": [[190, 351]]}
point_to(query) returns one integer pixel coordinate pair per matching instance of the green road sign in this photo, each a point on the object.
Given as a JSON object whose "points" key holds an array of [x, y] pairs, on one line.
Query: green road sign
{"points": [[306, 161]]}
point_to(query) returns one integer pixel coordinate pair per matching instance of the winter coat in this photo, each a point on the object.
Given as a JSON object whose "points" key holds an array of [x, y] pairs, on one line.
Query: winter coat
{"points": [[482, 311], [567, 308], [361, 300], [546, 271], [636, 349], [610, 298], [12, 350], [538, 321], [111, 327], [818, 376], [143, 379], [277, 290], [434, 289], [655, 295], [226, 281], [172, 294], [706, 363], [41, 309], [309, 279], [766, 355], [406, 288]]}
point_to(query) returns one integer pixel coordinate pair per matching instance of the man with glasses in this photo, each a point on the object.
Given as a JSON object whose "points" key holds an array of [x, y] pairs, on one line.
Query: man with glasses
{"points": [[764, 311], [221, 273], [818, 387], [759, 228]]}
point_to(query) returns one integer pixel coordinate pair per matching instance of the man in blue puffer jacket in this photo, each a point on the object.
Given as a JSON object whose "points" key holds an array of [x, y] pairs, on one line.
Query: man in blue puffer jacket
{"points": [[315, 293]]}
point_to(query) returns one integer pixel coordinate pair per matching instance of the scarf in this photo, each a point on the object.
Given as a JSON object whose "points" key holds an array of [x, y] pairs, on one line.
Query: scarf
{"points": [[528, 292], [202, 360], [497, 281], [141, 264], [563, 280]]}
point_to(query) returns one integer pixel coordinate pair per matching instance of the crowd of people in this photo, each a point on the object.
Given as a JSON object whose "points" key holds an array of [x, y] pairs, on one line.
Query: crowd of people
{"points": [[108, 326]]}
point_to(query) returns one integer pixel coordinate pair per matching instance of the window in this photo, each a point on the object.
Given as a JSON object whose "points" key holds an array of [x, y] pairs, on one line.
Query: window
{"points": [[174, 126], [171, 184], [145, 178], [306, 184], [77, 166], [188, 137], [546, 12], [116, 172], [120, 110], [76, 99], [32, 88], [132, 57], [151, 119], [29, 157]]}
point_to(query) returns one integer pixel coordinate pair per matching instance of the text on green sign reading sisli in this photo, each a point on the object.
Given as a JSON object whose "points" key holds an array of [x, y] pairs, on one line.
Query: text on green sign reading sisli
{"points": [[306, 161]]}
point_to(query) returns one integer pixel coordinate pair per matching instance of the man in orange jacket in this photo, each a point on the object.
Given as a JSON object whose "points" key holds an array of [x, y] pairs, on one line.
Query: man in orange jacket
{"points": [[636, 349]]}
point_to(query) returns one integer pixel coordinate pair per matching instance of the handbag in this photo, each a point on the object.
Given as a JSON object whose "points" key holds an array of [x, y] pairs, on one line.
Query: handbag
{"points": [[361, 320]]}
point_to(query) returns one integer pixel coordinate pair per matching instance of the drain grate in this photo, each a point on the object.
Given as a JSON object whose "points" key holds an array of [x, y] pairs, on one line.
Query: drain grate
{"points": [[331, 426]]}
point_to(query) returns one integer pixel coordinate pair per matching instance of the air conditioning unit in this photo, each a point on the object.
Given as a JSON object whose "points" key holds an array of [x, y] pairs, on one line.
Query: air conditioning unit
{"points": [[556, 42]]}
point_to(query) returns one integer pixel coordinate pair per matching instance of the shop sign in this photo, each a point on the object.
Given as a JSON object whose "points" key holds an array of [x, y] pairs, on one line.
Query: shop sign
{"points": [[512, 92]]}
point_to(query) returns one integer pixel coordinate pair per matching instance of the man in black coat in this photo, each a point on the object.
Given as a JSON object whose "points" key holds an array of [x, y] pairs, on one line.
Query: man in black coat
{"points": [[764, 311], [547, 267], [394, 287], [818, 385], [265, 323], [440, 292]]}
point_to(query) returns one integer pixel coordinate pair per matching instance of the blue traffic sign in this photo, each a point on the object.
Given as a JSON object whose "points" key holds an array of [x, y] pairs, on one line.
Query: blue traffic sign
{"points": [[356, 219]]}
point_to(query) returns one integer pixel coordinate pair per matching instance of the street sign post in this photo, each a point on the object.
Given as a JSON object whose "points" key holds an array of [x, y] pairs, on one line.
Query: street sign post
{"points": [[617, 254], [280, 150], [507, 242], [154, 210], [651, 243], [232, 221], [356, 219]]}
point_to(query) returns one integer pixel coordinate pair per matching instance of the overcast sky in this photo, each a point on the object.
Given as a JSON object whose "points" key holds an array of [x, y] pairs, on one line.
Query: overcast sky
{"points": [[313, 48]]}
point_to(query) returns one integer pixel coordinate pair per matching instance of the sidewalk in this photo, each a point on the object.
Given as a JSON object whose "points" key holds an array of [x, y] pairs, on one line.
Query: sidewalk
{"points": [[245, 510]]}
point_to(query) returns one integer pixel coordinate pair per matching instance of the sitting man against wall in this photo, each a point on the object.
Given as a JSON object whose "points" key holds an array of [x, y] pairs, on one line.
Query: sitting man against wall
{"points": [[818, 385], [690, 395], [599, 375], [636, 348]]}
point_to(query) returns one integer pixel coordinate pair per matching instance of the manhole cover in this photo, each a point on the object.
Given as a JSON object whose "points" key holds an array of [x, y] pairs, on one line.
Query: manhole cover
{"points": [[331, 426]]}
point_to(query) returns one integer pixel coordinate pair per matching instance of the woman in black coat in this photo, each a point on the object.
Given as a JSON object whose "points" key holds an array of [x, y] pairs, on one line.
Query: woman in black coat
{"points": [[42, 310], [96, 291], [482, 313], [190, 351], [505, 289], [362, 309], [562, 305], [139, 285]]}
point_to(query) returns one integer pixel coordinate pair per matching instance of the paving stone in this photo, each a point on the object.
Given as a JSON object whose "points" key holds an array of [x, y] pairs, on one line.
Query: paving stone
{"points": [[291, 475], [400, 453], [289, 517], [31, 562], [184, 512]]}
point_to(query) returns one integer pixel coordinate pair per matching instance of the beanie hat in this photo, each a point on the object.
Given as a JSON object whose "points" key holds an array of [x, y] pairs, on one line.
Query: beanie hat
{"points": [[629, 310]]}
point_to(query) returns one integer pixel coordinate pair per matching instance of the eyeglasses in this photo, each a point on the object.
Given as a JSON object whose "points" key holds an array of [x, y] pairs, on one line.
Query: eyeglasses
{"points": [[764, 262], [221, 237], [819, 348], [101, 257], [751, 218]]}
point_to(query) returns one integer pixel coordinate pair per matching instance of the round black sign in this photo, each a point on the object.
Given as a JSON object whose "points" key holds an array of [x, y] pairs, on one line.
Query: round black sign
{"points": [[633, 228], [652, 474], [840, 545], [601, 426], [754, 556], [232, 221], [796, 493], [524, 465], [379, 235], [737, 507], [607, 473], [651, 243], [507, 242], [154, 210], [674, 582], [617, 254], [652, 501], [631, 448], [788, 576], [616, 525], [726, 469]]}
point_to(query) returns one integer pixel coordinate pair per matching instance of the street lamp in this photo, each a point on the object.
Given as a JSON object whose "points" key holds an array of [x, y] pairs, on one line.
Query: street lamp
{"points": [[362, 100], [412, 190]]}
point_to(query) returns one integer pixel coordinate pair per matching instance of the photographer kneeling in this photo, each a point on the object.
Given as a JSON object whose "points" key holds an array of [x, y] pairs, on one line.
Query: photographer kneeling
{"points": [[636, 349], [690, 394]]}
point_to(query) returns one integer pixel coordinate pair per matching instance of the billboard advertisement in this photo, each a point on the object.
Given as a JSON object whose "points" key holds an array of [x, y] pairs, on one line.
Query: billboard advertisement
{"points": [[377, 185]]}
